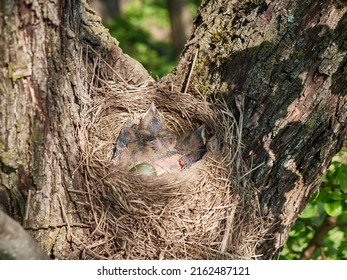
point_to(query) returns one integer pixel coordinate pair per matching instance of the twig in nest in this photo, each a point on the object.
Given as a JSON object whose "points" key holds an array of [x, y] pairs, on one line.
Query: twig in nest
{"points": [[228, 229], [65, 217], [71, 235], [27, 206], [191, 71], [110, 67]]}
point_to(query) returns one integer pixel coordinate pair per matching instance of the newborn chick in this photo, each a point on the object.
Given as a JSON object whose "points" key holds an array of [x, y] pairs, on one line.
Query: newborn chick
{"points": [[187, 160], [168, 162], [194, 141], [150, 149], [153, 123], [126, 137]]}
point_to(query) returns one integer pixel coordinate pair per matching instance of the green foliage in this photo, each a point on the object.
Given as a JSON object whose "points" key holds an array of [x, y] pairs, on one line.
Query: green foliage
{"points": [[134, 30], [156, 56], [136, 40], [330, 199]]}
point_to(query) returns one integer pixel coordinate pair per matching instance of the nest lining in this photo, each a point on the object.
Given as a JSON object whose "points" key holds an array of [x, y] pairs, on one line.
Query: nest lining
{"points": [[205, 212]]}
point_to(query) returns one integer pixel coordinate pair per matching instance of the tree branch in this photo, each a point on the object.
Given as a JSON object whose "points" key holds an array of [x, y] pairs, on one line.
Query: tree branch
{"points": [[317, 240], [16, 243]]}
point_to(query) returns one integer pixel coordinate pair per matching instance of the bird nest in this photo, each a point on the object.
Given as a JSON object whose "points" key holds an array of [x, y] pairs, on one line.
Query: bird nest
{"points": [[208, 211]]}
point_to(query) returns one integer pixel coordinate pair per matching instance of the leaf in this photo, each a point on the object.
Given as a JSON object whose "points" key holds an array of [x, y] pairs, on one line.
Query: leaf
{"points": [[344, 206], [310, 211], [333, 208], [336, 194], [342, 177], [297, 229]]}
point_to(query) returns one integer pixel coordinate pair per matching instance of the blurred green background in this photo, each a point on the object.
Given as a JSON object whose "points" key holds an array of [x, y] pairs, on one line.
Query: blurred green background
{"points": [[154, 32], [144, 29]]}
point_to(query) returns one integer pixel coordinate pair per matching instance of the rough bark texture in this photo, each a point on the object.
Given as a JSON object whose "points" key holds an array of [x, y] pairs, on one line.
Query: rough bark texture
{"points": [[284, 62], [41, 94]]}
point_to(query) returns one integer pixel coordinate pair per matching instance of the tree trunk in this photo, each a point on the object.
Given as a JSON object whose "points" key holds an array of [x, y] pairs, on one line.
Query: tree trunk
{"points": [[283, 62], [180, 23], [42, 93], [108, 9]]}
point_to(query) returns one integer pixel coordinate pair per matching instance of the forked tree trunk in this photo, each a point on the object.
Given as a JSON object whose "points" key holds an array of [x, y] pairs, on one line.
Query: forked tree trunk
{"points": [[283, 62]]}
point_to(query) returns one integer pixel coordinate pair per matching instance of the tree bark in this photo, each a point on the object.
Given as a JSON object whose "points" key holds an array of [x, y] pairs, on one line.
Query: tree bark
{"points": [[283, 62], [42, 93]]}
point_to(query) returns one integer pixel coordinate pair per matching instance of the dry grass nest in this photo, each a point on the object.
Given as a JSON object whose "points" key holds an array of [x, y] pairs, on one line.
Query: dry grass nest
{"points": [[209, 211]]}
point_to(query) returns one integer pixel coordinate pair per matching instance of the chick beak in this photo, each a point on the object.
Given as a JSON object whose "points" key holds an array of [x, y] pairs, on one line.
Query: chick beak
{"points": [[153, 108], [201, 134], [152, 123], [195, 140], [151, 112]]}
